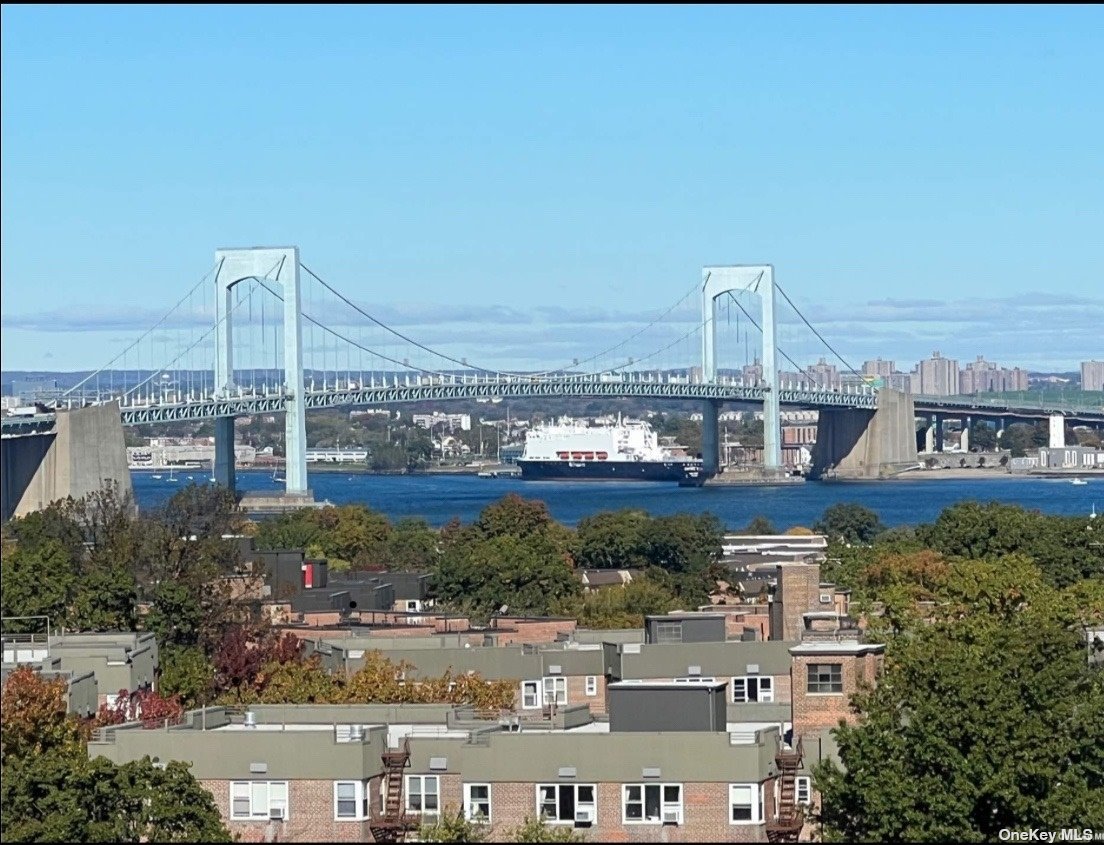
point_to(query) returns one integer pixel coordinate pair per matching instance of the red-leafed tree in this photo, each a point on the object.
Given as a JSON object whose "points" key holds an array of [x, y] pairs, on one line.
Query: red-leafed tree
{"points": [[244, 650], [144, 705]]}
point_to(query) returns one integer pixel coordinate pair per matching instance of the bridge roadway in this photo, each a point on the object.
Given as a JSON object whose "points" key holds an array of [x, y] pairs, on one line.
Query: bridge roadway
{"points": [[459, 388]]}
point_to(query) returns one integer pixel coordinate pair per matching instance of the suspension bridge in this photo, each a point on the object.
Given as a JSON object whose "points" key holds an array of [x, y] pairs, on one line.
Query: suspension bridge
{"points": [[263, 333]]}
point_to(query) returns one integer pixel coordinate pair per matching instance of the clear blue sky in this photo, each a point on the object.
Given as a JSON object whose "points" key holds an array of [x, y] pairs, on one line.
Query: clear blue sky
{"points": [[921, 178]]}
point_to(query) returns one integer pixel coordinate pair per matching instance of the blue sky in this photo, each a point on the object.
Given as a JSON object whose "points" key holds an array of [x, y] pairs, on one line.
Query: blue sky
{"points": [[921, 178]]}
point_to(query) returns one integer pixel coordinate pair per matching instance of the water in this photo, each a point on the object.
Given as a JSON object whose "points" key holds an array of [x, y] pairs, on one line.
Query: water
{"points": [[438, 498]]}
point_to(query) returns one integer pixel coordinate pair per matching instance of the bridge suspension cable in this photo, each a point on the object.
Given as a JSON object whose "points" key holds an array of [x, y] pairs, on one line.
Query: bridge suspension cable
{"points": [[157, 371], [373, 352], [812, 328], [393, 331], [145, 334], [781, 351]]}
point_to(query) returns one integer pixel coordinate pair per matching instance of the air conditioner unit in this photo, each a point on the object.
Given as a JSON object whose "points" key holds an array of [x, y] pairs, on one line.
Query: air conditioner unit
{"points": [[584, 816], [825, 598], [670, 816], [276, 813]]}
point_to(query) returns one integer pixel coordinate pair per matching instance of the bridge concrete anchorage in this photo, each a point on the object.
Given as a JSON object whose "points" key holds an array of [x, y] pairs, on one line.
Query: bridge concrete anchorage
{"points": [[84, 452], [855, 443], [279, 266]]}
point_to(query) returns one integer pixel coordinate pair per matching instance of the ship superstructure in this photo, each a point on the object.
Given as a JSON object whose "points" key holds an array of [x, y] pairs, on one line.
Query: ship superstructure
{"points": [[627, 450]]}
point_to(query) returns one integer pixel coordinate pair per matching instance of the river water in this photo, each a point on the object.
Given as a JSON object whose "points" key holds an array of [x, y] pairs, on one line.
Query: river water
{"points": [[438, 498]]}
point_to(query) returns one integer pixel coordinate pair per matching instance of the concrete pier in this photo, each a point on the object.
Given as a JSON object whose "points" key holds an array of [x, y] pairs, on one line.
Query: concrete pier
{"points": [[856, 443], [84, 452]]}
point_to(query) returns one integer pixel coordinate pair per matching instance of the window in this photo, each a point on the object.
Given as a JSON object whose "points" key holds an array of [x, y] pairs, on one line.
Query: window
{"points": [[804, 790], [591, 685], [258, 799], [477, 802], [825, 677], [752, 688], [550, 690], [555, 690], [350, 800], [571, 803], [695, 679], [413, 605], [668, 632], [423, 794], [651, 803], [745, 803], [530, 695]]}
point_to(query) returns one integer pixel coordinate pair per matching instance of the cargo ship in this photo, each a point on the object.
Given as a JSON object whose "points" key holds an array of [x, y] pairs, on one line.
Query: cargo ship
{"points": [[627, 450]]}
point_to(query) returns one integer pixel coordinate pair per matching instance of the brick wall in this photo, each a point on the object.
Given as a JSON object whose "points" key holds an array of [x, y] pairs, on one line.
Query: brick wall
{"points": [[705, 815], [310, 815], [514, 630], [815, 711]]}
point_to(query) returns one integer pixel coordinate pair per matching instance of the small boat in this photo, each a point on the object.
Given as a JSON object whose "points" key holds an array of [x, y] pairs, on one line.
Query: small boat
{"points": [[156, 475], [1078, 481], [172, 475]]}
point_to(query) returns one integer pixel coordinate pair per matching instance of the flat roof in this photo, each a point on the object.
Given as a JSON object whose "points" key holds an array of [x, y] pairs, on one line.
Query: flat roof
{"points": [[635, 684], [836, 648]]}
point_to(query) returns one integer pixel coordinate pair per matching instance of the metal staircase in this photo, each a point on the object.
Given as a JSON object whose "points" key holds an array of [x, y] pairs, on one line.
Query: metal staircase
{"points": [[394, 823], [790, 818]]}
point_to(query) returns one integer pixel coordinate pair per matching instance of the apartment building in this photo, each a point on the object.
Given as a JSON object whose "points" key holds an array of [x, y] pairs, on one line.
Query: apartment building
{"points": [[96, 666], [673, 732], [665, 767]]}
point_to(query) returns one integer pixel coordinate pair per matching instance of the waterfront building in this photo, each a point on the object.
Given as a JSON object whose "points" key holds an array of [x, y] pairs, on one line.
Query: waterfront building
{"points": [[1092, 375], [938, 376]]}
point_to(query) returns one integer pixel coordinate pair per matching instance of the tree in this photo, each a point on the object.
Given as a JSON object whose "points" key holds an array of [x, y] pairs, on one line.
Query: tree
{"points": [[760, 525], [982, 438], [52, 792], [1062, 547], [412, 547], [452, 826], [997, 725], [683, 543], [537, 830], [188, 673], [849, 523], [241, 654], [611, 540], [482, 575], [619, 607], [147, 706]]}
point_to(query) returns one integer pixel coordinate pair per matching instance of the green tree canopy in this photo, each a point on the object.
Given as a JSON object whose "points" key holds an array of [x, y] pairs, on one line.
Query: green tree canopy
{"points": [[977, 726], [849, 523]]}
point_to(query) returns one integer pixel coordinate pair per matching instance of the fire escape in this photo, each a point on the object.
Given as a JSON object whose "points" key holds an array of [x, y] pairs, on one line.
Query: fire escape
{"points": [[394, 823], [787, 823]]}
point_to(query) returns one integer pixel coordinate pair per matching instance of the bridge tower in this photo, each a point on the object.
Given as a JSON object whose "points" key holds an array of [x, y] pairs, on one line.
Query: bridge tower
{"points": [[716, 282], [278, 266]]}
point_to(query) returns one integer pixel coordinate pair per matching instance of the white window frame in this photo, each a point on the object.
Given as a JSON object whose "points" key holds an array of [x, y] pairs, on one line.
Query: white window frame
{"points": [[591, 686], [803, 784], [423, 792], [756, 803], [470, 803], [531, 695], [554, 688], [360, 799], [270, 803], [664, 805], [695, 679], [556, 787], [764, 689]]}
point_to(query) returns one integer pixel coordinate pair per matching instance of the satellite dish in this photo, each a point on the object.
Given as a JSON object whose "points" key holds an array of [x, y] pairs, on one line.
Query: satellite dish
{"points": [[503, 609]]}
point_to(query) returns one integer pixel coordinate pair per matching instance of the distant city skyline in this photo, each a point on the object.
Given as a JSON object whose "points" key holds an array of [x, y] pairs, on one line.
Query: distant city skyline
{"points": [[507, 183]]}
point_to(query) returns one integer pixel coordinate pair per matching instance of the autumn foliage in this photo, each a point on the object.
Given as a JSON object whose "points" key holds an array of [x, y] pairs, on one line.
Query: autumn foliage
{"points": [[145, 705]]}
